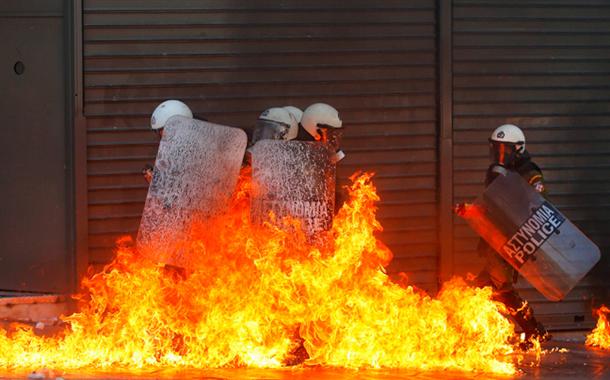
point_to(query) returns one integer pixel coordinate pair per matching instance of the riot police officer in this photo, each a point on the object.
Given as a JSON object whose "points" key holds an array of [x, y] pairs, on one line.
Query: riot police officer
{"points": [[508, 153]]}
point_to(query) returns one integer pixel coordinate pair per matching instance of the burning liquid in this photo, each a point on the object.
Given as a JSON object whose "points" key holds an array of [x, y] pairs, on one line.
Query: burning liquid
{"points": [[261, 296], [600, 336]]}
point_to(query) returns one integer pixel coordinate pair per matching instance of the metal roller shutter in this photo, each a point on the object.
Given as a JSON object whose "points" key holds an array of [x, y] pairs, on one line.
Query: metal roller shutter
{"points": [[229, 60], [545, 66]]}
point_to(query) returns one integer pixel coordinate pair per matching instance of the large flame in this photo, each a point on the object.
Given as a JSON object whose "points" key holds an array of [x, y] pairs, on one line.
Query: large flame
{"points": [[262, 296], [600, 336]]}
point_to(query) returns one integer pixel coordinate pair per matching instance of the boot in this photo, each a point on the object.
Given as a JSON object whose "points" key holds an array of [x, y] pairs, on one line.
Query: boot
{"points": [[523, 314]]}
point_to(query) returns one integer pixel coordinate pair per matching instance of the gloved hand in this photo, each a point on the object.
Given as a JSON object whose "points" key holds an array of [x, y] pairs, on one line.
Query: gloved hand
{"points": [[147, 172], [460, 209]]}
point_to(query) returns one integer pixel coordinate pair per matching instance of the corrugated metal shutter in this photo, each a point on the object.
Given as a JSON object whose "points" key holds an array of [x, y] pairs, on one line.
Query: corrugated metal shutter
{"points": [[229, 60], [545, 66]]}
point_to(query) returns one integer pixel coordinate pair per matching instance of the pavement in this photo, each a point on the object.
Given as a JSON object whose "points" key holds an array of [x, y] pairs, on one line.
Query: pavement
{"points": [[579, 362]]}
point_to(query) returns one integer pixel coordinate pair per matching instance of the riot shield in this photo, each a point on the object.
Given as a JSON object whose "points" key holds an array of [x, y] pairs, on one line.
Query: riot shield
{"points": [[195, 173], [532, 235], [293, 178]]}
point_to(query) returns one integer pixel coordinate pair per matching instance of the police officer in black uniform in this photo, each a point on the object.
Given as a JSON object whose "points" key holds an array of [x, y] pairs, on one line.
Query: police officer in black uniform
{"points": [[507, 151]]}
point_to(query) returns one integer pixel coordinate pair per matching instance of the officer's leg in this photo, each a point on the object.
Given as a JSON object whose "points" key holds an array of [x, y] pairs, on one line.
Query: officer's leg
{"points": [[522, 312], [502, 275]]}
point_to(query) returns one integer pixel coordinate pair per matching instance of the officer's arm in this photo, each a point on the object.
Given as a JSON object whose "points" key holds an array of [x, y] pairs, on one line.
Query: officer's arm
{"points": [[536, 180]]}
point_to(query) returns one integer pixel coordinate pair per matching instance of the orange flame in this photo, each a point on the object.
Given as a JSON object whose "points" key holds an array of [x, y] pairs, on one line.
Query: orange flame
{"points": [[262, 296], [600, 336]]}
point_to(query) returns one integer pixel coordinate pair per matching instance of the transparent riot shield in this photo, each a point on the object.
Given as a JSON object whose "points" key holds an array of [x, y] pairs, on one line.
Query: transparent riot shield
{"points": [[195, 173], [293, 178], [532, 235]]}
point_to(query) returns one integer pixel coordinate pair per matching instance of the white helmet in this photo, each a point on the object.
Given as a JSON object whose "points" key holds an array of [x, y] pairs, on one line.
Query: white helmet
{"points": [[294, 111], [320, 115], [275, 123], [509, 133], [166, 110]]}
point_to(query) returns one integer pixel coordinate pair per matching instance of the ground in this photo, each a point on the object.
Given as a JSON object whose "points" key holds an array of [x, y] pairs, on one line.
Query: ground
{"points": [[579, 362]]}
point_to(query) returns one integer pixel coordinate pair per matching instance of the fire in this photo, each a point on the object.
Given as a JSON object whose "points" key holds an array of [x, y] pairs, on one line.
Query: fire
{"points": [[263, 296], [600, 336]]}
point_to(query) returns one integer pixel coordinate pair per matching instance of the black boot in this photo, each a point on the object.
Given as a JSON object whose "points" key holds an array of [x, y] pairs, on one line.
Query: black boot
{"points": [[523, 314]]}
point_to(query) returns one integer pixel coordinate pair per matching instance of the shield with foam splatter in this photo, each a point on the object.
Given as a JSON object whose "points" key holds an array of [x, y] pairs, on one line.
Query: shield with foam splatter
{"points": [[295, 179], [196, 170]]}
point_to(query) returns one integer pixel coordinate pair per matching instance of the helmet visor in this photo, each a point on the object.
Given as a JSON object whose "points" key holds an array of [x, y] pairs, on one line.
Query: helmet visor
{"points": [[502, 153], [269, 130]]}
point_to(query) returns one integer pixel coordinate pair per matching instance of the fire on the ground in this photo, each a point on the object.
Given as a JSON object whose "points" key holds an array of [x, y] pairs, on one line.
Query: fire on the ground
{"points": [[600, 336], [262, 296]]}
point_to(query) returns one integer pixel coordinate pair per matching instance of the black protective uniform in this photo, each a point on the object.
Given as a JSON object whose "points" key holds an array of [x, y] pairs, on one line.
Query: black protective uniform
{"points": [[498, 273]]}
